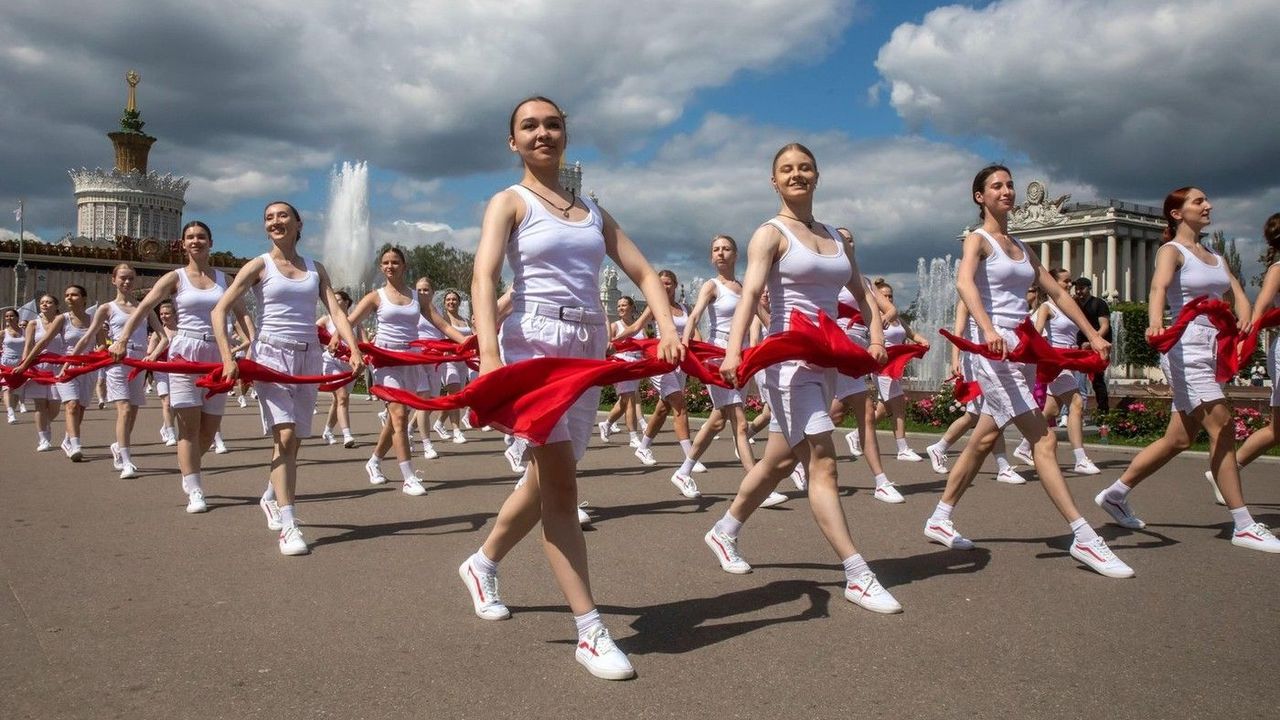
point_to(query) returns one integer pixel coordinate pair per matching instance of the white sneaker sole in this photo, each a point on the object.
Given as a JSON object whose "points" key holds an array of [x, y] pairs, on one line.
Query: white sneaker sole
{"points": [[955, 542], [493, 613], [1095, 565], [603, 673], [895, 499], [875, 606], [294, 550], [774, 500]]}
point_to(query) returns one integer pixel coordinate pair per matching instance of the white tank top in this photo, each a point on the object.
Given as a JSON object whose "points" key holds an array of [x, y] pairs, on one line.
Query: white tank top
{"points": [[56, 346], [1062, 331], [556, 261], [13, 346], [195, 306], [397, 324], [1002, 283], [70, 333], [116, 318], [1194, 279], [804, 280], [464, 328], [619, 326], [680, 321], [287, 308], [428, 331], [720, 313], [895, 334]]}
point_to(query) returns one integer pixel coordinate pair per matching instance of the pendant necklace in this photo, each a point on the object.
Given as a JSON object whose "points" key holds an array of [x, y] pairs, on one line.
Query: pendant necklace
{"points": [[573, 200]]}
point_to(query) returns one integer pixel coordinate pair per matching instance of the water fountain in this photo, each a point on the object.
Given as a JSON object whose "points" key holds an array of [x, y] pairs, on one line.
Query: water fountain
{"points": [[935, 307], [348, 245]]}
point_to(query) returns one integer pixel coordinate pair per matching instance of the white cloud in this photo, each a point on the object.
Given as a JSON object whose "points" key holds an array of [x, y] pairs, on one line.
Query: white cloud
{"points": [[1136, 97]]}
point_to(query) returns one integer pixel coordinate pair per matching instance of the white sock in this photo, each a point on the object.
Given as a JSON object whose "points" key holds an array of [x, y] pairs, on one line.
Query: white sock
{"points": [[125, 459], [902, 444], [942, 511], [686, 467], [346, 433], [1084, 533], [406, 471], [286, 516], [270, 494], [1024, 446], [43, 435], [1242, 517], [1079, 453], [1002, 462], [881, 479], [941, 446], [1118, 490], [190, 483], [587, 622], [854, 566], [328, 430], [482, 564], [645, 442], [374, 459], [634, 436], [729, 525], [687, 446]]}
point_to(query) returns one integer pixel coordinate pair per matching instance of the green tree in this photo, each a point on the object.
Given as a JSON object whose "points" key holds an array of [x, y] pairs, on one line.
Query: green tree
{"points": [[447, 267], [1227, 249]]}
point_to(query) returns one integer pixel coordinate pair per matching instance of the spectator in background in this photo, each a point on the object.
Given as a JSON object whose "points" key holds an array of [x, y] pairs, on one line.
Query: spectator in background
{"points": [[1099, 315]]}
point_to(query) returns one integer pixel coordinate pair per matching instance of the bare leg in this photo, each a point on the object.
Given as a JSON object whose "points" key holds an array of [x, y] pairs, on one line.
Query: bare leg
{"points": [[713, 425], [819, 454], [1045, 450], [975, 452], [680, 413], [657, 419], [73, 416], [763, 478], [1222, 451], [867, 430], [1259, 442], [897, 408], [1177, 437], [284, 463], [561, 534]]}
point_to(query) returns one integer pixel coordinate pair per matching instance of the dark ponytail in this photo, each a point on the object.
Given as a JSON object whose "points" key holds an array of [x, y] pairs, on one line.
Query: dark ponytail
{"points": [[980, 184]]}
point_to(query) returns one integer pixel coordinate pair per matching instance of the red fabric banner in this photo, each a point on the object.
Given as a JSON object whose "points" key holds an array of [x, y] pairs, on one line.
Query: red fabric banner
{"points": [[1223, 319]]}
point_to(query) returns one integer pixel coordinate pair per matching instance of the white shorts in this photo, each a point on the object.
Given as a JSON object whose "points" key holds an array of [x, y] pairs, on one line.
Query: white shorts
{"points": [[428, 380], [889, 388], [1189, 368], [288, 403], [847, 385], [1273, 363], [1064, 384], [454, 373], [80, 389], [331, 365], [1006, 386], [120, 387], [800, 399], [669, 383], [162, 383], [629, 386], [721, 397], [400, 377], [524, 335], [32, 390], [183, 392], [973, 407]]}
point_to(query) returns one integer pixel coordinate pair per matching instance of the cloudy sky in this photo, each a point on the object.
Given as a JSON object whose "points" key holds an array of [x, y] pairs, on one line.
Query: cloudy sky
{"points": [[675, 108]]}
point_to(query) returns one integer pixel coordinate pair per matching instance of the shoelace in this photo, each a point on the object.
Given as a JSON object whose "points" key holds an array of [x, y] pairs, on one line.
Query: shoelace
{"points": [[599, 641], [1100, 546], [489, 584], [730, 546], [869, 583], [1258, 529]]}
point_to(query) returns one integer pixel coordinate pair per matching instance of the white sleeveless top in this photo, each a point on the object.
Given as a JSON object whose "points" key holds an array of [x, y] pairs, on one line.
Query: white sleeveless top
{"points": [[618, 327], [720, 313], [397, 324], [195, 306], [1194, 279], [680, 321], [556, 261], [287, 308], [804, 280], [116, 318], [1062, 331], [428, 331], [895, 334], [13, 346], [1002, 283], [464, 328], [70, 333], [56, 345]]}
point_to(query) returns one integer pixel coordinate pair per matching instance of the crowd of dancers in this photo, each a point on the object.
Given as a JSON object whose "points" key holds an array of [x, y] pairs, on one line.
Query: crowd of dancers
{"points": [[799, 272]]}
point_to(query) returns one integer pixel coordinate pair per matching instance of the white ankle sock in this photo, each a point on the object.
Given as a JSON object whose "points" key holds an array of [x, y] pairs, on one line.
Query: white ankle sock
{"points": [[942, 511], [686, 467], [1002, 463], [854, 566], [1024, 446], [941, 446], [1079, 453], [902, 444], [190, 482], [1084, 533], [881, 479], [286, 516], [1118, 490], [270, 493], [406, 471], [43, 435], [125, 459], [374, 459], [1242, 517], [346, 433], [646, 441], [481, 563], [729, 525], [587, 622]]}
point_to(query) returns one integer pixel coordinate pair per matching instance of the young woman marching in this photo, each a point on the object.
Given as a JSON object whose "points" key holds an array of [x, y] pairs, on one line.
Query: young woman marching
{"points": [[892, 401], [340, 408], [429, 379], [63, 333], [398, 308], [1186, 269], [628, 405], [10, 357], [168, 326], [40, 335], [286, 286], [670, 386], [190, 292], [995, 272], [804, 263], [453, 375], [555, 242], [1268, 297], [128, 395]]}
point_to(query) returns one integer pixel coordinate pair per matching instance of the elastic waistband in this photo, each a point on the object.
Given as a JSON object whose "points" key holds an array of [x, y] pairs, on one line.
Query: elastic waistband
{"points": [[205, 337], [392, 345], [565, 313], [282, 343]]}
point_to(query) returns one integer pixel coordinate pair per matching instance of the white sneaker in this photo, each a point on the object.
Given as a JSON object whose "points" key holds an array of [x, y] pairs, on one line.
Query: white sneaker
{"points": [[725, 549], [1100, 559], [583, 518], [515, 455], [22, 407], [799, 478], [195, 502], [116, 462], [219, 447], [1086, 467], [13, 419], [271, 509], [1119, 510], [292, 542], [44, 446], [937, 459], [698, 467], [597, 653], [1024, 454], [374, 470], [382, 417], [484, 592], [944, 532], [129, 470], [65, 445], [1256, 537], [458, 437], [854, 442], [77, 453], [242, 402], [348, 441], [866, 592], [441, 431], [645, 456], [413, 486], [634, 442], [328, 438], [909, 455], [603, 425], [775, 499], [1010, 476], [615, 428], [685, 485], [464, 419], [1062, 421], [1217, 494], [888, 493], [429, 450], [172, 438]]}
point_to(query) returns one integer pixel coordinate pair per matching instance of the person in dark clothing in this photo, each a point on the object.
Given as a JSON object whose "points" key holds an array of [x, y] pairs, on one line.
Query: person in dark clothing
{"points": [[1099, 315]]}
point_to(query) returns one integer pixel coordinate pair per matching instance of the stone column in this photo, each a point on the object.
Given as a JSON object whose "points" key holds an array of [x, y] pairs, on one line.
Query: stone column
{"points": [[1142, 268], [1066, 254], [1045, 254], [1110, 289], [1126, 273], [1088, 258]]}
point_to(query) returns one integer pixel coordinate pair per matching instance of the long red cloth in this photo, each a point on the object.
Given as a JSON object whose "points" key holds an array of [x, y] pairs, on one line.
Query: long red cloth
{"points": [[1223, 319], [845, 311], [1033, 348], [1269, 319], [965, 390], [899, 356]]}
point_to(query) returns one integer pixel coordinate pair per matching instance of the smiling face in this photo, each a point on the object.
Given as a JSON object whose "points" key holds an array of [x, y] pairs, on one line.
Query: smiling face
{"points": [[795, 174], [997, 195], [281, 224], [452, 301], [391, 265], [538, 133], [669, 284], [885, 291], [168, 317], [1195, 210], [423, 286], [625, 308], [11, 319], [196, 241]]}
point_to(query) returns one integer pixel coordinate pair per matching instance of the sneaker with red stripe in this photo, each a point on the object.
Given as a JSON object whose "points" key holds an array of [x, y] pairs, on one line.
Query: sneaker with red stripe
{"points": [[483, 588], [597, 653], [1119, 510], [1256, 537], [944, 532], [725, 549], [1100, 559], [867, 592]]}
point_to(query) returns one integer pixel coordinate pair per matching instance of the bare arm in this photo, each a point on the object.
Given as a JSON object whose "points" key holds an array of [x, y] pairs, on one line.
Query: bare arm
{"points": [[162, 290], [868, 300], [967, 287], [636, 325], [442, 323], [504, 210], [246, 278], [1267, 294], [1041, 318], [1168, 260], [1244, 316], [330, 300], [1068, 306], [628, 257], [706, 295], [96, 325], [34, 347], [764, 248], [957, 329], [162, 337]]}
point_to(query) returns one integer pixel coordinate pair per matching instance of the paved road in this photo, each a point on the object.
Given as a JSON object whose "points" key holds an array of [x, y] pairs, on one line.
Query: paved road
{"points": [[118, 604]]}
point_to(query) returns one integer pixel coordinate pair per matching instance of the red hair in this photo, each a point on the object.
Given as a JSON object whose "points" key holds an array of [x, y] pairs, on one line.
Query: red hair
{"points": [[1174, 201]]}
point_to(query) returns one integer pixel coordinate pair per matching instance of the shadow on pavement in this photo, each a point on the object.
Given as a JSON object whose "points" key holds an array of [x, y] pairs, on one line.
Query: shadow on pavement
{"points": [[350, 533]]}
